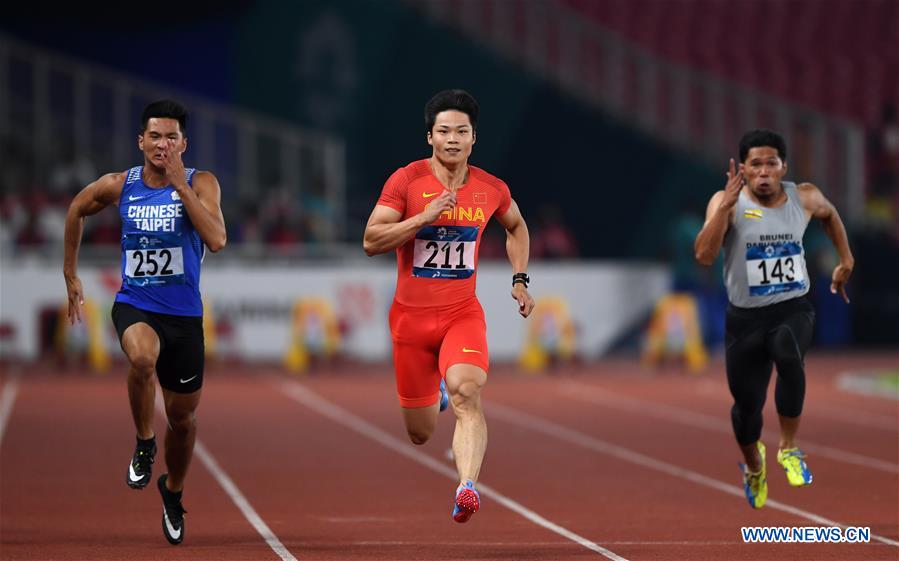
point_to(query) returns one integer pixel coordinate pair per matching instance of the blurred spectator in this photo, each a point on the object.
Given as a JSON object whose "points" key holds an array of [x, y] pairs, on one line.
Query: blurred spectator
{"points": [[493, 242], [551, 238], [18, 160], [12, 219], [882, 204], [71, 173], [832, 324], [283, 231], [883, 145], [247, 228], [688, 276], [317, 220], [30, 236], [104, 228], [45, 218], [52, 217], [280, 218]]}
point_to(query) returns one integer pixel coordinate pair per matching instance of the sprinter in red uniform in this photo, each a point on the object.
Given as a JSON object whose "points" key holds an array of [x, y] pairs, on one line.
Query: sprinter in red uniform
{"points": [[433, 213]]}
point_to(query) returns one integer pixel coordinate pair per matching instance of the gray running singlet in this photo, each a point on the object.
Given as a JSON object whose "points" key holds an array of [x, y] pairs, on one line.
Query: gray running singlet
{"points": [[764, 261]]}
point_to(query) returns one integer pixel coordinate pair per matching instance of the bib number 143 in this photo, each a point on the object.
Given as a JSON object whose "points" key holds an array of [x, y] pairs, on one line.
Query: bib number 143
{"points": [[782, 270], [773, 274]]}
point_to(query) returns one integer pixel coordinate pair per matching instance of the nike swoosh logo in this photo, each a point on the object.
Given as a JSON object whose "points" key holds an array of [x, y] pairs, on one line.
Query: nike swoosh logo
{"points": [[183, 381], [465, 350], [429, 195], [172, 531], [133, 476], [133, 198]]}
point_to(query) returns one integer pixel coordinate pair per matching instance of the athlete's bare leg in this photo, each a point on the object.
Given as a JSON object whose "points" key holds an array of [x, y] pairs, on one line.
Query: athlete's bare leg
{"points": [[181, 409], [752, 457], [788, 428], [464, 383], [421, 422], [141, 346]]}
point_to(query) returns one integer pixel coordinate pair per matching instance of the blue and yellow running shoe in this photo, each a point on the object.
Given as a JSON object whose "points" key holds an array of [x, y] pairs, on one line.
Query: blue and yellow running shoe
{"points": [[468, 501], [793, 462], [444, 395], [756, 484]]}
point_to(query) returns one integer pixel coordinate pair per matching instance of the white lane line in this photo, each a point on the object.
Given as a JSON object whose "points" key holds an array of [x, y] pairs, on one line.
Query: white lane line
{"points": [[231, 489], [242, 503], [598, 396], [320, 405], [860, 418], [577, 438], [867, 385], [7, 400]]}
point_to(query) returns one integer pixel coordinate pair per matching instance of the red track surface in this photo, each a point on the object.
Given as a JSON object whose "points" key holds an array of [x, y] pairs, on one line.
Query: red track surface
{"points": [[581, 457]]}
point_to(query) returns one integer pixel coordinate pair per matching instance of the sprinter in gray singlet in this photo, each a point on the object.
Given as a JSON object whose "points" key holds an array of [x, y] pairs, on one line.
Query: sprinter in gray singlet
{"points": [[760, 221]]}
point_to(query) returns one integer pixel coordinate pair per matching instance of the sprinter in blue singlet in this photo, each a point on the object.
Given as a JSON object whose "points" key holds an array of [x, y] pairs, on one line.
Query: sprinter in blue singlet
{"points": [[170, 216]]}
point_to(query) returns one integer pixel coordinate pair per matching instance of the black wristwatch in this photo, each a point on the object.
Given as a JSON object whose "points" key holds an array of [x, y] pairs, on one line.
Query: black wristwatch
{"points": [[522, 278]]}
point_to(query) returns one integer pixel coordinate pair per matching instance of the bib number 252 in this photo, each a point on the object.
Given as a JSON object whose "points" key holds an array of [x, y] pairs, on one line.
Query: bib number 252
{"points": [[152, 262], [158, 266]]}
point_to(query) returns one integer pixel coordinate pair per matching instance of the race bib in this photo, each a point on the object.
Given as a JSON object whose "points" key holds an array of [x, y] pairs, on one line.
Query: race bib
{"points": [[444, 252], [775, 268], [153, 260]]}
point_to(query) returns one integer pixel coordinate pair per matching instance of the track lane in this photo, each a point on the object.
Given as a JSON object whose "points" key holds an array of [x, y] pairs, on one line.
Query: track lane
{"points": [[63, 465]]}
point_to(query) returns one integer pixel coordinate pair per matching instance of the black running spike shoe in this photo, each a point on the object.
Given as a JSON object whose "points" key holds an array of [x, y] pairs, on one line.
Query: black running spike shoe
{"points": [[172, 512], [141, 467]]}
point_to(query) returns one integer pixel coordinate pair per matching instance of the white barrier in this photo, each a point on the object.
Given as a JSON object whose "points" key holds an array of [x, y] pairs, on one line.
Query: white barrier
{"points": [[256, 303]]}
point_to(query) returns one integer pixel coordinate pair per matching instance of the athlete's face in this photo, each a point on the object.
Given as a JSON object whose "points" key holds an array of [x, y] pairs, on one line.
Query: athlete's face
{"points": [[155, 140], [763, 170], [452, 136]]}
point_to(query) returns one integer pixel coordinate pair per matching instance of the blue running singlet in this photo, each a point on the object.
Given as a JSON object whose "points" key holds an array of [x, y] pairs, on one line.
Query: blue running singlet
{"points": [[161, 250]]}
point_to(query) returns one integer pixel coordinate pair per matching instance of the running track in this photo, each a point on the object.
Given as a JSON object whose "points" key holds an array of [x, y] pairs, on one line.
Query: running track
{"points": [[593, 463]]}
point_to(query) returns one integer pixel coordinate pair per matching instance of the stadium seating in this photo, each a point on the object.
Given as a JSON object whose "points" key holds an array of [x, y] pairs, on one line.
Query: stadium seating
{"points": [[839, 57]]}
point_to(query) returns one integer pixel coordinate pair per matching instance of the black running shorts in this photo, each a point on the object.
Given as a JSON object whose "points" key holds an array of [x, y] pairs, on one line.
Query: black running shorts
{"points": [[181, 345]]}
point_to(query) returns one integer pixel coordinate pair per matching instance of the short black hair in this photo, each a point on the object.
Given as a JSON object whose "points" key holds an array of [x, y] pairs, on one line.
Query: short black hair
{"points": [[449, 100], [762, 137], [165, 109]]}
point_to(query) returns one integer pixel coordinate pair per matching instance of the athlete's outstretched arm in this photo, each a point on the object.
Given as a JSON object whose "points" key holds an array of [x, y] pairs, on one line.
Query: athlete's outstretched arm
{"points": [[203, 203], [91, 200], [518, 247], [385, 232], [718, 215], [815, 202]]}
